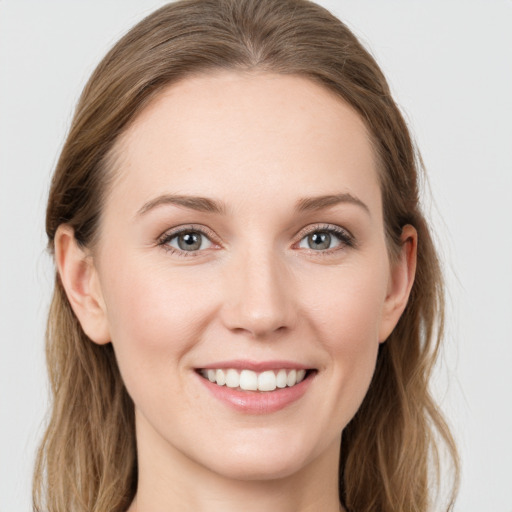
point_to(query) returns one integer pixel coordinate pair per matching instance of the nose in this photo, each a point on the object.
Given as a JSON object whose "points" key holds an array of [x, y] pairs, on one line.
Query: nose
{"points": [[259, 295]]}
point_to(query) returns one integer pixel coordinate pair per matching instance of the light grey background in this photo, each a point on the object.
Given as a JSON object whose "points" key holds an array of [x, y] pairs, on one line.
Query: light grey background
{"points": [[450, 66]]}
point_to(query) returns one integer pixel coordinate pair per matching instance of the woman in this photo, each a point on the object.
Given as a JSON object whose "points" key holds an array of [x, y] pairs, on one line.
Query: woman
{"points": [[248, 303]]}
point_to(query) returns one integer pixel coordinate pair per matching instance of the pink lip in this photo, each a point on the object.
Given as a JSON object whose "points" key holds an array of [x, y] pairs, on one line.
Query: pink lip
{"points": [[256, 366], [257, 402]]}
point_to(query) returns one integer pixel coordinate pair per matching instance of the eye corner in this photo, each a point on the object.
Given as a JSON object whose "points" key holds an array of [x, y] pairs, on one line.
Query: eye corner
{"points": [[329, 233], [203, 240]]}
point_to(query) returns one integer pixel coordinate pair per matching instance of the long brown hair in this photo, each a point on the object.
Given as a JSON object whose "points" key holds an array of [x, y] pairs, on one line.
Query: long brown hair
{"points": [[391, 449]]}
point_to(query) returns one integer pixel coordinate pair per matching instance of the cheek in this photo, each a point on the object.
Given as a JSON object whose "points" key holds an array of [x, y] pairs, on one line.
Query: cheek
{"points": [[155, 318], [347, 318], [349, 305]]}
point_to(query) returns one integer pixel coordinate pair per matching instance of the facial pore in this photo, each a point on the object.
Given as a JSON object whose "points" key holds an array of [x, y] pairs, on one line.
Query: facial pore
{"points": [[245, 232]]}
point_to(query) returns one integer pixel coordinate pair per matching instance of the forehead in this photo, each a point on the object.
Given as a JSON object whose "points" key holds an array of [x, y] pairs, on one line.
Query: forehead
{"points": [[229, 134]]}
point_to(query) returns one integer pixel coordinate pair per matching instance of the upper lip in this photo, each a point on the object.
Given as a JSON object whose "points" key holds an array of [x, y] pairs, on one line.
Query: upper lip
{"points": [[256, 366]]}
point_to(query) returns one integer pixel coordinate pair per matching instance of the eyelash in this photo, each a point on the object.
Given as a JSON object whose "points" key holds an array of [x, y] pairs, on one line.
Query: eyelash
{"points": [[163, 241], [346, 239]]}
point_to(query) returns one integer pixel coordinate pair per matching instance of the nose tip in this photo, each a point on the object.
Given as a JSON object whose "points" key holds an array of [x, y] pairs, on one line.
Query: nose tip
{"points": [[258, 324], [259, 299]]}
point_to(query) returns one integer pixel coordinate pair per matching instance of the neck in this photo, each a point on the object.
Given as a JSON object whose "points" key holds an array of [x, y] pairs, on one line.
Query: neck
{"points": [[169, 480]]}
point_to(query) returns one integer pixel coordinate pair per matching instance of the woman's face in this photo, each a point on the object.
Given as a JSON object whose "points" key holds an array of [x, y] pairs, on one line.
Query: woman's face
{"points": [[243, 239]]}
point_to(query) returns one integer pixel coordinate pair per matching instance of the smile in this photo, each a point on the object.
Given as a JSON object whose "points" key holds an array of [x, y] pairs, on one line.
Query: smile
{"points": [[256, 387], [249, 380]]}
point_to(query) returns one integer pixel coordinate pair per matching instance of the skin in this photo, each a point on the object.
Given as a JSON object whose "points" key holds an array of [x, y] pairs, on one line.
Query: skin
{"points": [[256, 289]]}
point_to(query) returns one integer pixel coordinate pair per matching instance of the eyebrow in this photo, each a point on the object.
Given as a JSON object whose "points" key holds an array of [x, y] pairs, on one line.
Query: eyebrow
{"points": [[204, 204], [321, 202], [200, 204]]}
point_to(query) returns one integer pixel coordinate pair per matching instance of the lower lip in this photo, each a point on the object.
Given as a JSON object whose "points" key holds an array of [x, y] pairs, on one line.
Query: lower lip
{"points": [[258, 402]]}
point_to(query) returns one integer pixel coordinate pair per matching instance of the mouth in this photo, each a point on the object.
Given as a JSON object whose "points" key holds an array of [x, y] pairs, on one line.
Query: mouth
{"points": [[257, 387], [250, 380]]}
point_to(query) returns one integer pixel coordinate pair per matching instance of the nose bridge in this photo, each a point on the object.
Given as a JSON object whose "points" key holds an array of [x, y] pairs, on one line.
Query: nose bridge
{"points": [[259, 292]]}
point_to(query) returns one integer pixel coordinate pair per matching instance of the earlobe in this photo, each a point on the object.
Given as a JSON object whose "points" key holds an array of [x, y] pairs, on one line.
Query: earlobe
{"points": [[400, 283], [80, 280]]}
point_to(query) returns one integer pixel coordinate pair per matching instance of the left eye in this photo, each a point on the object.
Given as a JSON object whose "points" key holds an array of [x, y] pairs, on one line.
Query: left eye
{"points": [[189, 241], [321, 241]]}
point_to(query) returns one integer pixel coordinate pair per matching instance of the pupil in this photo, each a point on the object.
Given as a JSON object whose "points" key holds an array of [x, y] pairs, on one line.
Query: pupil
{"points": [[189, 241], [320, 240]]}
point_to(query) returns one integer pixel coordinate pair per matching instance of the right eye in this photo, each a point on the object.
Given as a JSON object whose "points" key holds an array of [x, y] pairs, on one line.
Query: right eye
{"points": [[186, 241]]}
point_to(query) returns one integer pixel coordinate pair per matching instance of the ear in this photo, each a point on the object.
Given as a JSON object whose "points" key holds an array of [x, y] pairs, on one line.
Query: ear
{"points": [[80, 280], [400, 283]]}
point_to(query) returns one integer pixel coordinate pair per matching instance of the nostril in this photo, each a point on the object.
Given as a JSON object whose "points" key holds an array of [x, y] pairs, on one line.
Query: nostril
{"points": [[258, 297]]}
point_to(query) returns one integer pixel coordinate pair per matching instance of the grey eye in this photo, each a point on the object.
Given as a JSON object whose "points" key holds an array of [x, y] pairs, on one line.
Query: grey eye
{"points": [[320, 241], [190, 241]]}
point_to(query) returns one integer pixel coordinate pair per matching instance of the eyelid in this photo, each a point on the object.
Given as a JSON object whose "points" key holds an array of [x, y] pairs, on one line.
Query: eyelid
{"points": [[345, 236], [167, 235]]}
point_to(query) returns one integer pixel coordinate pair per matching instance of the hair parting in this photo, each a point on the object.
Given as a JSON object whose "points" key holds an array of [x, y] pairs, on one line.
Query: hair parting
{"points": [[87, 459]]}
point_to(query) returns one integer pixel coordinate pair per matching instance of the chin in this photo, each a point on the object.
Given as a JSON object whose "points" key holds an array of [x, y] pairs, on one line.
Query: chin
{"points": [[258, 468], [267, 457]]}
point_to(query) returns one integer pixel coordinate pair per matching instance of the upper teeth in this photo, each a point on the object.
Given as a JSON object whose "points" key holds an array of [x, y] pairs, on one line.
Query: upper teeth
{"points": [[253, 381]]}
